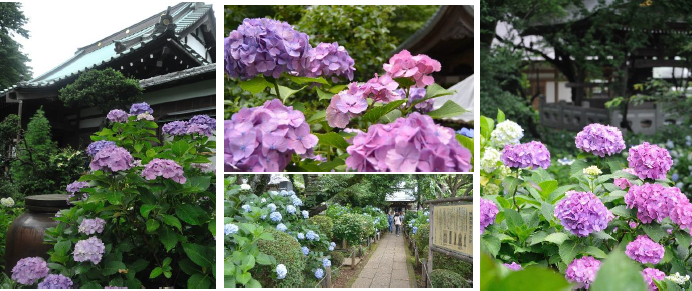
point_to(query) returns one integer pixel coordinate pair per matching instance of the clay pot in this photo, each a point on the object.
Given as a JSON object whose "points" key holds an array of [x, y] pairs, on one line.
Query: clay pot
{"points": [[25, 235]]}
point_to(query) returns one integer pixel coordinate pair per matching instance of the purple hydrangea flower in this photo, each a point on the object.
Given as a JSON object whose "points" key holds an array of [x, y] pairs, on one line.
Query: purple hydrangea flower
{"points": [[412, 143], [139, 108], [488, 212], [53, 281], [644, 250], [275, 216], [76, 186], [28, 270], [650, 274], [582, 271], [90, 249], [653, 201], [96, 146], [203, 167], [330, 60], [681, 214], [91, 226], [419, 68], [201, 129], [175, 128], [649, 161], [265, 47], [114, 287], [382, 89], [117, 115], [416, 94], [207, 125], [582, 213], [346, 105], [264, 138], [513, 266], [600, 140], [526, 155], [168, 169], [112, 159]]}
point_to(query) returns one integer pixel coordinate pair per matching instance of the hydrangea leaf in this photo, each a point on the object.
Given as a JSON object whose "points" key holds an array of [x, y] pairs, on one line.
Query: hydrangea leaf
{"points": [[189, 213], [465, 141], [374, 114], [112, 267], [332, 139], [199, 281], [654, 231], [145, 209], [286, 92], [168, 238], [568, 250], [303, 80], [618, 272], [324, 95], [595, 252], [255, 85], [449, 109], [491, 244], [172, 221], [533, 278], [152, 225], [198, 254], [155, 272], [405, 82]]}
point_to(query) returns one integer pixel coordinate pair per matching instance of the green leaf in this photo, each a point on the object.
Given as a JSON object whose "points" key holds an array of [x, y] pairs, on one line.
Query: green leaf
{"points": [[514, 220], [285, 92], [248, 263], [332, 139], [172, 221], [375, 113], [152, 225], [253, 284], [91, 285], [654, 231], [337, 88], [180, 148], [264, 259], [510, 184], [63, 247], [189, 213], [622, 211], [532, 278], [138, 266], [255, 85], [449, 109], [465, 142], [683, 238], [155, 272], [491, 243], [318, 116], [595, 252], [324, 95], [547, 187], [618, 272], [145, 209], [198, 183], [303, 80], [168, 238], [556, 238], [405, 82], [199, 254], [568, 250], [112, 267], [500, 116], [199, 281]]}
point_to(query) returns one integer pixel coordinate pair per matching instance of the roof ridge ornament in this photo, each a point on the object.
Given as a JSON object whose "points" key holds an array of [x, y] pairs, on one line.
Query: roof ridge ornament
{"points": [[165, 24]]}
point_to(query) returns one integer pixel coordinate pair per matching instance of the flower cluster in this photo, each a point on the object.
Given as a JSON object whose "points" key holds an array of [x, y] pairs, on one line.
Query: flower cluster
{"points": [[490, 159], [281, 271], [527, 155], [76, 187], [413, 143], [600, 140], [311, 235], [114, 287], [91, 226], [417, 94], [175, 128], [7, 202], [624, 183], [326, 263], [112, 159], [644, 250], [90, 249], [681, 214], [319, 273], [53, 281], [28, 270], [332, 245], [653, 201], [346, 105], [678, 279], [488, 212], [264, 138], [513, 266], [275, 216], [382, 89], [140, 108], [305, 250], [419, 68], [330, 59], [649, 161], [164, 168], [230, 228], [96, 146], [506, 132], [198, 124], [582, 213], [592, 171], [650, 274], [582, 271], [265, 46], [117, 115]]}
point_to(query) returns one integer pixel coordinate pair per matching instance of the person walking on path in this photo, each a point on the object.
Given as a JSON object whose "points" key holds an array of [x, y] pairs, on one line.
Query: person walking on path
{"points": [[397, 222], [390, 220]]}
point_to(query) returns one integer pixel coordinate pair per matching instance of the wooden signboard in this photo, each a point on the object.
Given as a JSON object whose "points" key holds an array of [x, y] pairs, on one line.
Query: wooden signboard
{"points": [[452, 228]]}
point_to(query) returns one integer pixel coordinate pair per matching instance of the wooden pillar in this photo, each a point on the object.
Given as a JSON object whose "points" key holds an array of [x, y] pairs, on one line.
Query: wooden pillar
{"points": [[343, 244], [430, 238], [422, 271], [353, 259], [328, 280], [415, 249]]}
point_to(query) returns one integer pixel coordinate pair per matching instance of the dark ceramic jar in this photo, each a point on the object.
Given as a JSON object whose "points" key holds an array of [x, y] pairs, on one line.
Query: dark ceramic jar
{"points": [[25, 235]]}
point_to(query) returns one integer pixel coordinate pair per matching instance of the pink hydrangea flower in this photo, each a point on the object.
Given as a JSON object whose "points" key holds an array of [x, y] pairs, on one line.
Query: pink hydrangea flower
{"points": [[582, 271], [600, 140], [488, 212], [346, 105], [644, 250], [681, 214], [653, 201], [513, 266], [419, 68], [649, 161], [164, 168], [382, 89], [582, 213], [650, 274]]}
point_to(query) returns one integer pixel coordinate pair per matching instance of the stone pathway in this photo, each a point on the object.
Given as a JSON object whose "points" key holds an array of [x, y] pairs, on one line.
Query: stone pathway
{"points": [[386, 267]]}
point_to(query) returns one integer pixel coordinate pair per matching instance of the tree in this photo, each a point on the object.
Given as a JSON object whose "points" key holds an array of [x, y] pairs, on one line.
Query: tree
{"points": [[105, 89], [12, 60], [32, 171]]}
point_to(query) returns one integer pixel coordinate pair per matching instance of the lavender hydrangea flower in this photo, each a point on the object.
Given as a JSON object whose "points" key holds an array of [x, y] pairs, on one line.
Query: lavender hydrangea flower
{"points": [[527, 155], [112, 159], [168, 169], [117, 115], [600, 140], [90, 249], [305, 250], [311, 235], [650, 274], [319, 273], [649, 161], [202, 125], [114, 287], [381, 89], [653, 201], [265, 47], [488, 212], [513, 266], [326, 263], [28, 270], [230, 228], [91, 226], [200, 129], [54, 281], [275, 216], [330, 60], [416, 94], [139, 108], [281, 271], [582, 271], [96, 146], [203, 167], [281, 227], [175, 128], [644, 250], [346, 105], [582, 213], [296, 201], [204, 119], [412, 143], [332, 245], [76, 186]]}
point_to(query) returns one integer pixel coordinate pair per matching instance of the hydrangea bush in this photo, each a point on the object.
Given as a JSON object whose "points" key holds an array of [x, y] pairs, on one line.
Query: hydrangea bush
{"points": [[617, 212], [142, 217], [382, 124]]}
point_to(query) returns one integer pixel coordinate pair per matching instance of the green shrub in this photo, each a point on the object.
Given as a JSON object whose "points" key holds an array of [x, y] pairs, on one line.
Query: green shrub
{"points": [[445, 262], [104, 89], [353, 227], [422, 238], [442, 278], [32, 171], [286, 250], [337, 259], [324, 224]]}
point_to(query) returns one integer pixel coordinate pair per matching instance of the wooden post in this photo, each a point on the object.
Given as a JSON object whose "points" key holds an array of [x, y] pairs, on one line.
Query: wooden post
{"points": [[353, 258], [328, 280], [343, 244], [422, 271], [415, 248], [430, 238]]}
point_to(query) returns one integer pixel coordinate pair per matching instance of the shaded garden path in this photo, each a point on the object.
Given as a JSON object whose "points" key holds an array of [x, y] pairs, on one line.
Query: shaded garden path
{"points": [[386, 267]]}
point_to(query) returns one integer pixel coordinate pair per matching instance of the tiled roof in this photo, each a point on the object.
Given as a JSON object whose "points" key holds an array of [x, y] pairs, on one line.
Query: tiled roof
{"points": [[175, 76]]}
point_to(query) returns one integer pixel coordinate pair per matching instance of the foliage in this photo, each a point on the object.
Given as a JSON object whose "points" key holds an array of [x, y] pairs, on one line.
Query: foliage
{"points": [[324, 224], [442, 278], [104, 89], [12, 59], [160, 231], [422, 238], [7, 215], [497, 277], [354, 228], [284, 249], [337, 258]]}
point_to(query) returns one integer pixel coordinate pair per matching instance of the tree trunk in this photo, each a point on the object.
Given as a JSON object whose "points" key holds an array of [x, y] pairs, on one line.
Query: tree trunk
{"points": [[259, 183]]}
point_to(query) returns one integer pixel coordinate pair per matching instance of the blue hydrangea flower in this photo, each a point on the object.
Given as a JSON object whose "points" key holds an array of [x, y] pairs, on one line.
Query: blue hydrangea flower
{"points": [[230, 229], [466, 132], [291, 193], [246, 208], [263, 216], [301, 235], [332, 244], [305, 250], [284, 193], [264, 200], [272, 207], [311, 235], [319, 273], [326, 262], [305, 213], [675, 177], [281, 271], [415, 229], [281, 227], [275, 216], [296, 201], [273, 193], [331, 248], [291, 209]]}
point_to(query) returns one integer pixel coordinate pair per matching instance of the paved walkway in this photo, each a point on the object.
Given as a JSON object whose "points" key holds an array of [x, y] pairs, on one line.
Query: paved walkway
{"points": [[386, 267]]}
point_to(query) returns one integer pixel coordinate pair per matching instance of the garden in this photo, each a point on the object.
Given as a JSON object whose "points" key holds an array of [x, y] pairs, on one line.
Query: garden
{"points": [[141, 215], [310, 231], [301, 99]]}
